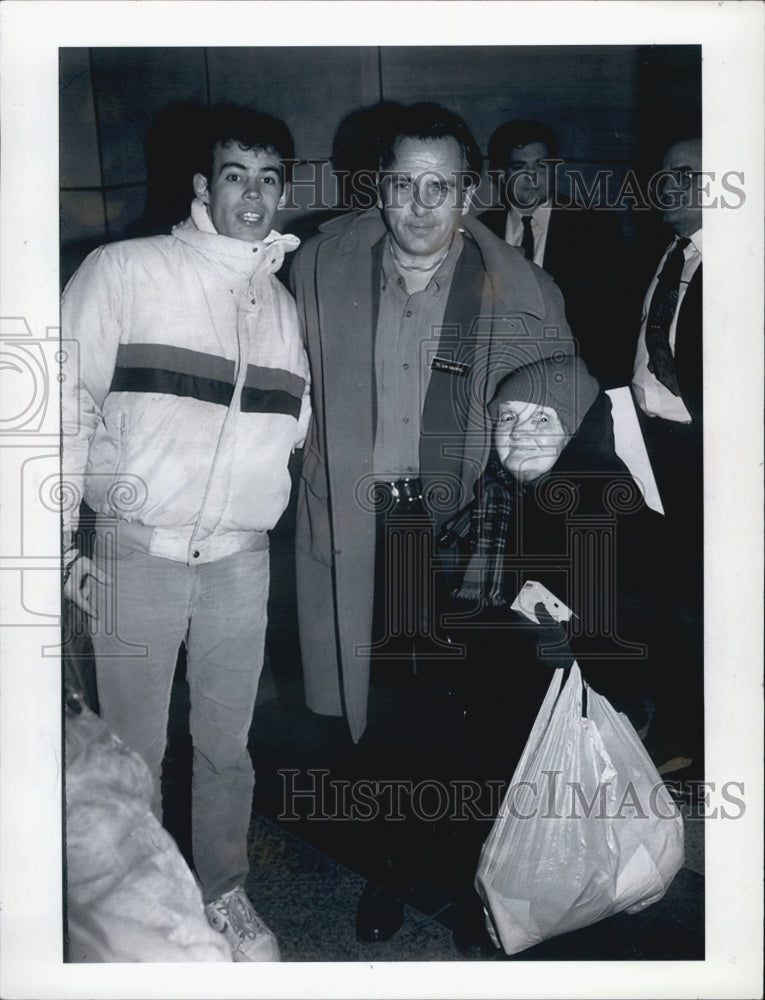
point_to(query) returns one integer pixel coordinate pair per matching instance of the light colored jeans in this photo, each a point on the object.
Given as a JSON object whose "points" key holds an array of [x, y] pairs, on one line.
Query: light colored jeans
{"points": [[150, 607]]}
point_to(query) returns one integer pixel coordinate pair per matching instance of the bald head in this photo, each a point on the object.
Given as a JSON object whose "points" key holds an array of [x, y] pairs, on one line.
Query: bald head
{"points": [[681, 192], [689, 151]]}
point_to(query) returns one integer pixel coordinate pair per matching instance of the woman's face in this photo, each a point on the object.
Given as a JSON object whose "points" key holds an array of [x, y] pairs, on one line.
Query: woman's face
{"points": [[529, 439]]}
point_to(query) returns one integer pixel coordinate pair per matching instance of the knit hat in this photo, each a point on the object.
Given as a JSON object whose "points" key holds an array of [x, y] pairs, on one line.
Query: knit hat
{"points": [[562, 383]]}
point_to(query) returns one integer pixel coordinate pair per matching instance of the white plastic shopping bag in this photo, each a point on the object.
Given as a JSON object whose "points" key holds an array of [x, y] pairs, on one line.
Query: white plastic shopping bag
{"points": [[587, 827]]}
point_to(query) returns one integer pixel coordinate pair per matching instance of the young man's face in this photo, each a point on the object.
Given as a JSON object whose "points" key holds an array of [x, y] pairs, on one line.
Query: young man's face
{"points": [[422, 196], [244, 192], [528, 178], [529, 439]]}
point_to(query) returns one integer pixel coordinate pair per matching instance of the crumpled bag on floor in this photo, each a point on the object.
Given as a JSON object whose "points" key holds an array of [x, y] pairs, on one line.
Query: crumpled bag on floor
{"points": [[587, 828], [131, 897]]}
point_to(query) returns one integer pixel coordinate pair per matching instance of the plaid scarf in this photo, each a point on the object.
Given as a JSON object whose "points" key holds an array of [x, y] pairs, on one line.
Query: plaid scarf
{"points": [[481, 530]]}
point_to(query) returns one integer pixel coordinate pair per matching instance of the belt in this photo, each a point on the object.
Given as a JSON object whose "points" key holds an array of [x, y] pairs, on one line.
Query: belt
{"points": [[398, 491]]}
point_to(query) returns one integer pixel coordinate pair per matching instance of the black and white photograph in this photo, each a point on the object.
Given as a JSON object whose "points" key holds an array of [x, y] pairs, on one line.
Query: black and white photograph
{"points": [[382, 499]]}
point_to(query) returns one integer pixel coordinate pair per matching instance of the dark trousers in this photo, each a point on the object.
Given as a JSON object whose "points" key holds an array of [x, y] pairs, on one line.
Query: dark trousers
{"points": [[676, 455], [408, 748], [450, 709]]}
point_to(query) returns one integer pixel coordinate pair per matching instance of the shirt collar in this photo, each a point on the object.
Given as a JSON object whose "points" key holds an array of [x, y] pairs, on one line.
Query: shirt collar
{"points": [[441, 278], [692, 248], [540, 214], [695, 239]]}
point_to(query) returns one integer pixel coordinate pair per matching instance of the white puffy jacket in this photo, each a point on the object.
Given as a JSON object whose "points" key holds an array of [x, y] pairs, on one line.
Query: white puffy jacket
{"points": [[188, 393]]}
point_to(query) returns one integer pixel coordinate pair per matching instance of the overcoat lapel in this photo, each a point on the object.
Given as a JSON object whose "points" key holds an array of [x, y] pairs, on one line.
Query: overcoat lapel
{"points": [[450, 390], [348, 372]]}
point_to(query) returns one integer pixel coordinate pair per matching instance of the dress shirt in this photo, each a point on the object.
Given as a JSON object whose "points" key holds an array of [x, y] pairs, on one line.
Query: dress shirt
{"points": [[408, 330], [653, 397], [540, 223]]}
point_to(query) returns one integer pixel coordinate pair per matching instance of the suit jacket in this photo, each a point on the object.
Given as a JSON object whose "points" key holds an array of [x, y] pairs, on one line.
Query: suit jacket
{"points": [[644, 262], [502, 312], [676, 450], [584, 253]]}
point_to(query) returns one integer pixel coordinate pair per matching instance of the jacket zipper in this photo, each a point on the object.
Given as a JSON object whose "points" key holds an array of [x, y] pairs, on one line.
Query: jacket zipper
{"points": [[123, 439], [238, 384]]}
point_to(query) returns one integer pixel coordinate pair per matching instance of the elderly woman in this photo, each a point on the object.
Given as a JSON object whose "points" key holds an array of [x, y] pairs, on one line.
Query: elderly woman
{"points": [[555, 506]]}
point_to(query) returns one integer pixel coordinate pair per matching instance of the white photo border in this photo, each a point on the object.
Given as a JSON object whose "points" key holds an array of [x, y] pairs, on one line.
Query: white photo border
{"points": [[731, 36]]}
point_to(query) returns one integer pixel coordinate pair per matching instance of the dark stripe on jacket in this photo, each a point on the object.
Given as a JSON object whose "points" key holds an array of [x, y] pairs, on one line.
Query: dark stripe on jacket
{"points": [[176, 359], [272, 390], [159, 380], [173, 371]]}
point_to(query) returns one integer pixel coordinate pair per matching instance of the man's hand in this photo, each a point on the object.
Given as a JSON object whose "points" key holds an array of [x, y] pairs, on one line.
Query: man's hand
{"points": [[80, 580]]}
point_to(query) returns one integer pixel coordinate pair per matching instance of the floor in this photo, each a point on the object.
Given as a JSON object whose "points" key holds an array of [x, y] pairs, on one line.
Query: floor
{"points": [[307, 871]]}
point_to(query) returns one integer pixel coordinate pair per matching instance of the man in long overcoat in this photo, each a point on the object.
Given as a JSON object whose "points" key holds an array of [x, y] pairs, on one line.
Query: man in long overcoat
{"points": [[413, 312]]}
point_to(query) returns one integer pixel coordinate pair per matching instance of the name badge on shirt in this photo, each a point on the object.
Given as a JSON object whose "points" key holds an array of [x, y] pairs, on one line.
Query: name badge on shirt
{"points": [[449, 367]]}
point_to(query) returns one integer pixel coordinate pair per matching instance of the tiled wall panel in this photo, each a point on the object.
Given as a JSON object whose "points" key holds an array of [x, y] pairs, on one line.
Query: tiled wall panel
{"points": [[125, 211], [312, 89], [83, 227], [78, 144], [608, 105], [130, 86], [586, 95]]}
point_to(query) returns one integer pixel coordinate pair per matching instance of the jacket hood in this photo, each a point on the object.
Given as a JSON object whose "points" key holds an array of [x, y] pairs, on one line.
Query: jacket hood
{"points": [[593, 445], [264, 256]]}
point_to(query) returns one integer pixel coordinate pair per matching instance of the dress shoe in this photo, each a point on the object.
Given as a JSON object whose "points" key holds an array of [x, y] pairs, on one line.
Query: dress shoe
{"points": [[474, 942], [380, 913], [470, 935]]}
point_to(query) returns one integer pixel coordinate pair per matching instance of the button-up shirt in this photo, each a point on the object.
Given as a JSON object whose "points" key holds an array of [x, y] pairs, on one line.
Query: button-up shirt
{"points": [[408, 331], [540, 223], [653, 397]]}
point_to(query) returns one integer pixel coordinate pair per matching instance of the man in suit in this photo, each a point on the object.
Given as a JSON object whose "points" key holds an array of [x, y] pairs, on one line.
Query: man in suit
{"points": [[413, 312], [581, 248], [668, 389]]}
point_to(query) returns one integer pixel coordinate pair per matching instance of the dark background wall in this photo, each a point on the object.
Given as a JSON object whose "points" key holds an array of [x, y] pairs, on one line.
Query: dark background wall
{"points": [[612, 107]]}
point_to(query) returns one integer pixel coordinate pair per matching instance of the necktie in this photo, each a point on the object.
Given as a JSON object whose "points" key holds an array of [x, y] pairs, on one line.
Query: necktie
{"points": [[527, 240], [660, 313]]}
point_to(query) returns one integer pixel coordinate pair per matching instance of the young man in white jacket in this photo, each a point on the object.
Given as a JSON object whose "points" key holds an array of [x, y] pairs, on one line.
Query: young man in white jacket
{"points": [[186, 398]]}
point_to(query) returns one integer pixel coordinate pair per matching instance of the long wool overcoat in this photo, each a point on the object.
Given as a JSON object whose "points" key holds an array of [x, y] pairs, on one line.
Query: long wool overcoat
{"points": [[502, 313]]}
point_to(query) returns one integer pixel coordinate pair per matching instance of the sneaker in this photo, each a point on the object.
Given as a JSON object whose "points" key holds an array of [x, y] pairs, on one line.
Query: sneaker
{"points": [[233, 916]]}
